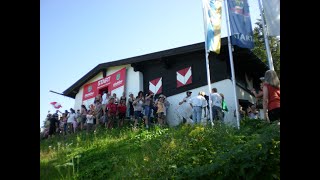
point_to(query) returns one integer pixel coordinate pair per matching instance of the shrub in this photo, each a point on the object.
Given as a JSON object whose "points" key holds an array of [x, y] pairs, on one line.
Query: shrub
{"points": [[183, 152]]}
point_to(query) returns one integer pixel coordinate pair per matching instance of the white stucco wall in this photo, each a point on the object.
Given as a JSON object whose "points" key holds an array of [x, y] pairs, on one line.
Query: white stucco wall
{"points": [[134, 83], [225, 87]]}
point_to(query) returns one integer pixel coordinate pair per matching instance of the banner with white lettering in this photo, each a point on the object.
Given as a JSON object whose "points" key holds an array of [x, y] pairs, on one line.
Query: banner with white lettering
{"points": [[111, 82], [240, 23]]}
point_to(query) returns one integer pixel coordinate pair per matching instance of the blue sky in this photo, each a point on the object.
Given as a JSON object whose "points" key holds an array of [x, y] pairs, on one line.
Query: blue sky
{"points": [[77, 35]]}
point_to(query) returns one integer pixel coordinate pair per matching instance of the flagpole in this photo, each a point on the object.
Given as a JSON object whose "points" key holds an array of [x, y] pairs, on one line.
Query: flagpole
{"points": [[207, 66], [209, 85], [266, 42], [231, 64], [57, 93]]}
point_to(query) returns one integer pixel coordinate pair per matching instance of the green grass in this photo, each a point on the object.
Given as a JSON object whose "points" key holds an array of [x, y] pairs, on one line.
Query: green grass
{"points": [[183, 152]]}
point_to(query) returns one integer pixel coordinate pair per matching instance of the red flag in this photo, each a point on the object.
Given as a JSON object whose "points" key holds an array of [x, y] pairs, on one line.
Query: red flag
{"points": [[56, 105]]}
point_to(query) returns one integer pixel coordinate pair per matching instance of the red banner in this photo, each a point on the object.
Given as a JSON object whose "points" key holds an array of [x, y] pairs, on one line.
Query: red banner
{"points": [[110, 82]]}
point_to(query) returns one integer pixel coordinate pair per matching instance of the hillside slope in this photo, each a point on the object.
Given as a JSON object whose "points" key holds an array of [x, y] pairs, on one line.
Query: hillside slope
{"points": [[221, 152]]}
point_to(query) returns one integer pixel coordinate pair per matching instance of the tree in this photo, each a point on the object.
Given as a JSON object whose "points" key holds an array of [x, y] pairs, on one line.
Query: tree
{"points": [[260, 48]]}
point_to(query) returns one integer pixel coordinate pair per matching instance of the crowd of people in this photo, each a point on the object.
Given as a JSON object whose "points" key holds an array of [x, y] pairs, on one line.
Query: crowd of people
{"points": [[109, 111]]}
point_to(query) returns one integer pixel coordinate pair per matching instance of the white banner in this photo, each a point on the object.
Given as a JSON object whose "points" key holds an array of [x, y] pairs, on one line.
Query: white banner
{"points": [[272, 15]]}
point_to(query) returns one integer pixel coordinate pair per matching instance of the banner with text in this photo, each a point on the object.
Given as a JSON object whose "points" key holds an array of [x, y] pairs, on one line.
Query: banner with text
{"points": [[240, 23], [110, 82]]}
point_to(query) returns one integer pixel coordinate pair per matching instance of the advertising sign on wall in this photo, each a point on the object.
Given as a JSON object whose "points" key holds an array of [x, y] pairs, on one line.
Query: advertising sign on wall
{"points": [[110, 82]]}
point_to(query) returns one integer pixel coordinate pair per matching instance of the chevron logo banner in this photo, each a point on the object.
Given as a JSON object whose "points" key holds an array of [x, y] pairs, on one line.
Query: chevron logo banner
{"points": [[184, 77], [155, 86]]}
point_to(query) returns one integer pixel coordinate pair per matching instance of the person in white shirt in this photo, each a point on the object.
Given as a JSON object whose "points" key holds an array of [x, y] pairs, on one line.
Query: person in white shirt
{"points": [[71, 120], [116, 99], [197, 103], [104, 98], [89, 121], [186, 99], [137, 107], [184, 109], [216, 104]]}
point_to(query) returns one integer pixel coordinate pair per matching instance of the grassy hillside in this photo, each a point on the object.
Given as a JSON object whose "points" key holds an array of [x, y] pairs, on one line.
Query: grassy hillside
{"points": [[221, 152]]}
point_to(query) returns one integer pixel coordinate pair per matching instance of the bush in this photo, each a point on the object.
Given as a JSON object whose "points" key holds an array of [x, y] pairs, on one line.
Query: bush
{"points": [[219, 152]]}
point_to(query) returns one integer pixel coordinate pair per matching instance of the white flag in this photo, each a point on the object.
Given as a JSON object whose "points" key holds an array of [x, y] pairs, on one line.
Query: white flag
{"points": [[272, 15]]}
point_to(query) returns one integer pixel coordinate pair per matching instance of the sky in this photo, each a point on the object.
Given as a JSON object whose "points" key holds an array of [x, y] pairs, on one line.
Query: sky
{"points": [[78, 35]]}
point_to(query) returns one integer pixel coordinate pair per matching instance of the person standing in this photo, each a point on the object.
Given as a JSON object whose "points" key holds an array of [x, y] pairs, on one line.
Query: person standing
{"points": [[147, 108], [112, 109], [130, 101], [137, 105], [197, 103], [89, 120], [98, 98], [116, 99], [166, 108], [83, 113], [160, 110], [98, 112], [78, 117], [53, 125], [186, 99], [271, 96], [56, 115], [65, 122], [184, 109], [206, 109], [71, 120], [122, 108], [123, 97], [259, 98], [105, 100], [224, 107], [216, 104]]}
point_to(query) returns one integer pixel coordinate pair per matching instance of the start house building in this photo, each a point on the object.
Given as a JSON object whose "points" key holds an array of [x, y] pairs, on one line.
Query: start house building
{"points": [[172, 72]]}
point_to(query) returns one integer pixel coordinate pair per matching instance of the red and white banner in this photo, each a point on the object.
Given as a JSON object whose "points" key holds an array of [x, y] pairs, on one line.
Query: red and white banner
{"points": [[56, 105], [155, 86], [112, 82], [184, 77], [90, 91]]}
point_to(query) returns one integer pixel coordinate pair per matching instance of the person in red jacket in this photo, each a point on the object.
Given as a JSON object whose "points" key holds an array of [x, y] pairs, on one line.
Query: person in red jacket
{"points": [[122, 109], [271, 96], [112, 109]]}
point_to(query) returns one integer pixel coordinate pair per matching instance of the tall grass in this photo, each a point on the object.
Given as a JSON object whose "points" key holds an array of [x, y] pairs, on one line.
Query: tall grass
{"points": [[219, 152]]}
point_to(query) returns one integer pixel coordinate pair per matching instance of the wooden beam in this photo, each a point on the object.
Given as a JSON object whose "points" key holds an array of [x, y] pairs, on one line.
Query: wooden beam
{"points": [[104, 72]]}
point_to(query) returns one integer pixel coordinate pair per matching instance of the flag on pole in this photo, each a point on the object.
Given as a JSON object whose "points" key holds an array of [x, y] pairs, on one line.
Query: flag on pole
{"points": [[240, 23], [271, 9], [212, 24], [56, 105]]}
